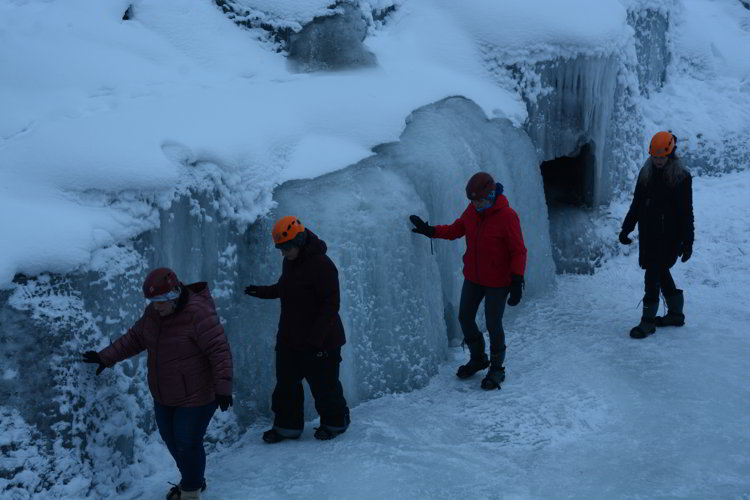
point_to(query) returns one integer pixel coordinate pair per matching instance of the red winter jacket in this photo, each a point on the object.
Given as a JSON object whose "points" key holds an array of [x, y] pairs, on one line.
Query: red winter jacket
{"points": [[494, 243], [189, 360]]}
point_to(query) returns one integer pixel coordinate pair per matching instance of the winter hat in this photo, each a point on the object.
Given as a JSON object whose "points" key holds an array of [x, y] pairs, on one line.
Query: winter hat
{"points": [[480, 186]]}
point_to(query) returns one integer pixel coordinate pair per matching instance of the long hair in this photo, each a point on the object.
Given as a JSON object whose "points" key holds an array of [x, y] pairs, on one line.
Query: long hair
{"points": [[673, 171]]}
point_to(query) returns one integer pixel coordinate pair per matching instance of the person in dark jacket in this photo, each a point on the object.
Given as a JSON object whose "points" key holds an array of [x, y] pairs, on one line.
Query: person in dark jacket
{"points": [[310, 335], [662, 207], [494, 265], [189, 369]]}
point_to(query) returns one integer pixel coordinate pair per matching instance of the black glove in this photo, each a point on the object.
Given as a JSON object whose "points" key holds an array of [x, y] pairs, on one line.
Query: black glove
{"points": [[224, 401], [251, 290], [687, 251], [516, 289], [93, 357], [624, 238], [421, 226]]}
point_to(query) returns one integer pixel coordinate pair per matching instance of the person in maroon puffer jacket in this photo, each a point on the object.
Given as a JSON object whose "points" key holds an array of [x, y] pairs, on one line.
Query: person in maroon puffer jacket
{"points": [[494, 264], [310, 335], [189, 368]]}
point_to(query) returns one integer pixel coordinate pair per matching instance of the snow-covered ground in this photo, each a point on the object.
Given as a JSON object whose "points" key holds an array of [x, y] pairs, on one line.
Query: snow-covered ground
{"points": [[585, 413]]}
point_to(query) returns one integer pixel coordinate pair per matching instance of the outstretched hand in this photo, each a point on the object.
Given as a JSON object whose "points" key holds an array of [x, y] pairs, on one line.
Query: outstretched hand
{"points": [[421, 227], [93, 357], [624, 238]]}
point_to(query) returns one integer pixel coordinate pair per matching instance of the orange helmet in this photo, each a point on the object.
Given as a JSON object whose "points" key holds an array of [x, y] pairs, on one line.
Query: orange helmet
{"points": [[662, 144], [286, 230]]}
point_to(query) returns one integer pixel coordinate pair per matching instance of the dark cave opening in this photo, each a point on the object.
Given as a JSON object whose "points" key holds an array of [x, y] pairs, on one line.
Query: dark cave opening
{"points": [[569, 192], [569, 180]]}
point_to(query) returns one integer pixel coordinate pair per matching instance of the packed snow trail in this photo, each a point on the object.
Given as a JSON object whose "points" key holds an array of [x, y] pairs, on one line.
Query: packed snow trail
{"points": [[585, 411]]}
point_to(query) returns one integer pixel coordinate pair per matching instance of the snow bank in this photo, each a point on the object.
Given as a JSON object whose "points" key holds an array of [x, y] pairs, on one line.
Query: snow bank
{"points": [[105, 106]]}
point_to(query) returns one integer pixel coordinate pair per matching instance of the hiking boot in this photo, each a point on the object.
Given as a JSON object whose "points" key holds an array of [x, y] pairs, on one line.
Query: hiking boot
{"points": [[674, 316], [324, 433], [647, 325], [273, 436], [190, 495], [493, 379], [474, 365], [477, 360], [175, 492], [496, 373]]}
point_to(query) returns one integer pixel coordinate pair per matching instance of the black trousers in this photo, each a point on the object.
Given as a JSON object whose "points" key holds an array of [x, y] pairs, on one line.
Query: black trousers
{"points": [[322, 375], [494, 307], [658, 279]]}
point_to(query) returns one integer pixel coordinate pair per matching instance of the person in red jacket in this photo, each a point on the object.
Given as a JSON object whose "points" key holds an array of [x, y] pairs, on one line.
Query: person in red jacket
{"points": [[310, 335], [189, 369], [494, 265]]}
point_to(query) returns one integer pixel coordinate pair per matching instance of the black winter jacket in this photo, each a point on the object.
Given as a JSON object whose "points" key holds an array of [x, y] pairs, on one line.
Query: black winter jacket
{"points": [[662, 207], [309, 293]]}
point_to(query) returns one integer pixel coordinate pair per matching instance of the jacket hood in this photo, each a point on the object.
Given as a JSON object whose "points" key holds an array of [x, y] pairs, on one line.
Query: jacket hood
{"points": [[313, 245]]}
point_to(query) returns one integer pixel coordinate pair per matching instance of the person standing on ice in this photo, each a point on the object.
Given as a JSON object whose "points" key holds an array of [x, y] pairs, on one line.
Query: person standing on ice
{"points": [[662, 207], [310, 335], [494, 265], [189, 369]]}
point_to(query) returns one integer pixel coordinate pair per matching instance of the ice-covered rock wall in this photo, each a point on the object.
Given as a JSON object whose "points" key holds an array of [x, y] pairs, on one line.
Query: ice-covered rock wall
{"points": [[651, 31], [439, 168], [399, 301], [574, 108]]}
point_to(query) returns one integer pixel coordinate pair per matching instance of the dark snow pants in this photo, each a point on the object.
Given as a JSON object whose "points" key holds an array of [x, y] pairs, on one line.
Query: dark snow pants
{"points": [[182, 429], [494, 307], [322, 375], [658, 279]]}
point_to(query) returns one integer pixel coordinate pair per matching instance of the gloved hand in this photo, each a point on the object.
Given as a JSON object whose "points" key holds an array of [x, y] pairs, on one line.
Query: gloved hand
{"points": [[624, 238], [224, 401], [421, 227], [687, 251], [516, 289], [251, 290], [93, 357]]}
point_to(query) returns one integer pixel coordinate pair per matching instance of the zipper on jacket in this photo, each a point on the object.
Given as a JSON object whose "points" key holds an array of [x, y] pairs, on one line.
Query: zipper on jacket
{"points": [[476, 247], [156, 367]]}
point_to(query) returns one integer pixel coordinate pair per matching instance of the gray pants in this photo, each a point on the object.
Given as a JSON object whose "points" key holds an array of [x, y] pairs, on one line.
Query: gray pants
{"points": [[494, 307]]}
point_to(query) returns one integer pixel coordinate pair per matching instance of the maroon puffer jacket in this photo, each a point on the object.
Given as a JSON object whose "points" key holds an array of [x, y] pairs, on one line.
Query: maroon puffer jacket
{"points": [[494, 243], [189, 360]]}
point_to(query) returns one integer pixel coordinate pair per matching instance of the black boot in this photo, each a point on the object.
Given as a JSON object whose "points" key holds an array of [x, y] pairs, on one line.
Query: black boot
{"points": [[647, 326], [273, 436], [327, 431], [478, 360], [674, 316], [496, 373]]}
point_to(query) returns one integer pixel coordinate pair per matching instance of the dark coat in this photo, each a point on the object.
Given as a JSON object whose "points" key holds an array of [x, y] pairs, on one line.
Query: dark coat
{"points": [[189, 360], [309, 293], [662, 207], [494, 243]]}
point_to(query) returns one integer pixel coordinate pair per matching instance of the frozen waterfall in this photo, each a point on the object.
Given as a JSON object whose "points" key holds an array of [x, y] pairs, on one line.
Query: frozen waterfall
{"points": [[399, 301]]}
